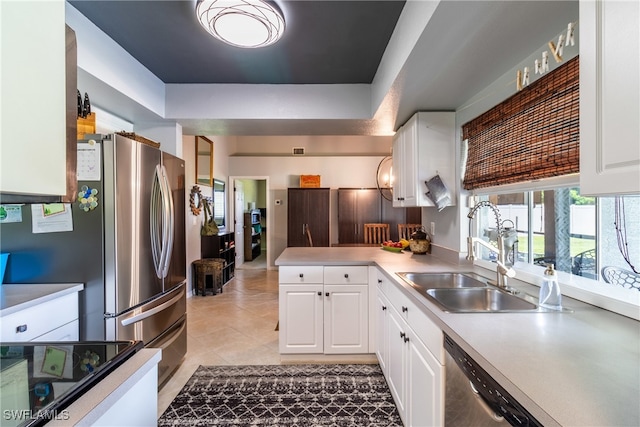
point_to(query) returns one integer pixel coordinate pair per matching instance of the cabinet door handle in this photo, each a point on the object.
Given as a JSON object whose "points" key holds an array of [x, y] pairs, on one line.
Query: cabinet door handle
{"points": [[384, 307], [319, 293], [404, 309], [301, 275], [379, 280], [21, 328], [402, 335], [406, 339], [326, 294], [346, 276]]}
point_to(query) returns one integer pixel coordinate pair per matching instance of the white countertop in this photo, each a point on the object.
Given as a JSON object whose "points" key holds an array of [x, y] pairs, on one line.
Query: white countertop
{"points": [[14, 298], [570, 369], [88, 409]]}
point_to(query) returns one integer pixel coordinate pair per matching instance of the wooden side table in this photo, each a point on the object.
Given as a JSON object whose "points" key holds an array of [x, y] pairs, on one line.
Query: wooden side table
{"points": [[208, 267]]}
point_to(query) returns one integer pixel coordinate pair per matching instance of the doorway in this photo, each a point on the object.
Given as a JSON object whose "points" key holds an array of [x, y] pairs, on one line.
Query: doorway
{"points": [[251, 219]]}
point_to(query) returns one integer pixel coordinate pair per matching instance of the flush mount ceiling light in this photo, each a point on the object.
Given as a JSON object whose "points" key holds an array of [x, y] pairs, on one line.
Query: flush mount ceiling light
{"points": [[241, 23]]}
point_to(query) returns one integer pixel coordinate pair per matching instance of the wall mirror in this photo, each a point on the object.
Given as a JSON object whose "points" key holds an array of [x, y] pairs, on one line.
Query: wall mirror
{"points": [[204, 161], [219, 205]]}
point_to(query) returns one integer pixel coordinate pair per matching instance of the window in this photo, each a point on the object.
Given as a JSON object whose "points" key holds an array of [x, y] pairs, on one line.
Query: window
{"points": [[619, 231], [579, 235], [554, 227]]}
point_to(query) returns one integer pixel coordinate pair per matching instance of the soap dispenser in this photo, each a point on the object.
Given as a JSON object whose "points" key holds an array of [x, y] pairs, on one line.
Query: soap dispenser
{"points": [[550, 296]]}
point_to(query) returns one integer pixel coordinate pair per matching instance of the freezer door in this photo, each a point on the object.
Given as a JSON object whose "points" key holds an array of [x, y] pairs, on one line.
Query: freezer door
{"points": [[173, 343], [149, 320]]}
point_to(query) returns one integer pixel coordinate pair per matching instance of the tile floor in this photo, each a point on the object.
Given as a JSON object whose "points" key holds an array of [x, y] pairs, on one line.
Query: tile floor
{"points": [[236, 327]]}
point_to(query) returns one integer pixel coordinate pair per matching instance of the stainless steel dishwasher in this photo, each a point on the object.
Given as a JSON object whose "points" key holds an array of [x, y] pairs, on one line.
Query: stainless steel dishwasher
{"points": [[473, 398]]}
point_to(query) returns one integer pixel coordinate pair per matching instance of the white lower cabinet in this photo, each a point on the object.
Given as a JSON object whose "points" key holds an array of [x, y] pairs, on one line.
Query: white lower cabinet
{"points": [[328, 314], [53, 320], [382, 331], [425, 385], [346, 319], [301, 318], [397, 362], [414, 374]]}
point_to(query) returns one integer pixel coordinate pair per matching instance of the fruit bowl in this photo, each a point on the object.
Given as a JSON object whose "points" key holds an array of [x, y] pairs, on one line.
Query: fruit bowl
{"points": [[392, 249]]}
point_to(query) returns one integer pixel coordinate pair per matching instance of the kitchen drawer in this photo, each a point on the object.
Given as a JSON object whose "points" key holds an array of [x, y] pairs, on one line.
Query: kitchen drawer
{"points": [[302, 274], [384, 284], [346, 275], [39, 319], [67, 332], [396, 297], [427, 331]]}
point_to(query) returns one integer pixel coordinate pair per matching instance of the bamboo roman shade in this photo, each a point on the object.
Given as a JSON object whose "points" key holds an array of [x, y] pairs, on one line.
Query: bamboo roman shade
{"points": [[532, 135]]}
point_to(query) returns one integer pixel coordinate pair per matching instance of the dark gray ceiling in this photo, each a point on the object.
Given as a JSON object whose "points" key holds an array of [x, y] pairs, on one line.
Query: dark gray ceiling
{"points": [[342, 68], [325, 42]]}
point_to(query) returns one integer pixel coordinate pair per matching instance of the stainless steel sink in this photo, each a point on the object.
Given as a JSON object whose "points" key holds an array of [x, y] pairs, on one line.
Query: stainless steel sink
{"points": [[443, 280], [478, 300], [466, 292]]}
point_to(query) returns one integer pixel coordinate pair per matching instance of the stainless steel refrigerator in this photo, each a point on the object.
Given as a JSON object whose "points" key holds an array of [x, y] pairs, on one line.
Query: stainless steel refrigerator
{"points": [[129, 250]]}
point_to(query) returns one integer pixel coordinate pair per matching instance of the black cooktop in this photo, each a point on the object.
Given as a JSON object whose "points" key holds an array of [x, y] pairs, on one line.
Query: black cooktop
{"points": [[40, 379]]}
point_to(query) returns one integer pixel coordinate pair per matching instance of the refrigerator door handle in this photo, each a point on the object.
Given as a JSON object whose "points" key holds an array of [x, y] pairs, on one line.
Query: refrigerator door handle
{"points": [[149, 313], [162, 222], [155, 219], [168, 222]]}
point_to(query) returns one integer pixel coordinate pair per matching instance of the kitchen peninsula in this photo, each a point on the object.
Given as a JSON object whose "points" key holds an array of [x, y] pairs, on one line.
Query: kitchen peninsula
{"points": [[565, 368]]}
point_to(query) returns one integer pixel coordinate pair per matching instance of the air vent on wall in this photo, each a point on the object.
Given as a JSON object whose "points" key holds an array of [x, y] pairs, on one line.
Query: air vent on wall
{"points": [[298, 151]]}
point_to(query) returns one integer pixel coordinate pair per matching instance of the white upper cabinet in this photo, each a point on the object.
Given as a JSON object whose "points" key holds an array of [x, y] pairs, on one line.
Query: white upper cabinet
{"points": [[609, 97], [404, 165], [422, 148], [33, 136]]}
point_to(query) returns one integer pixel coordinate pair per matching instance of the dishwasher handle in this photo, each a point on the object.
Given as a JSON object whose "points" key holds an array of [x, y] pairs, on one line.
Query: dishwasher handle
{"points": [[485, 405]]}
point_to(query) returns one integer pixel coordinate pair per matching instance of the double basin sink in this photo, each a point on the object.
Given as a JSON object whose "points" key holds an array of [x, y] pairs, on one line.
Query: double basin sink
{"points": [[468, 293]]}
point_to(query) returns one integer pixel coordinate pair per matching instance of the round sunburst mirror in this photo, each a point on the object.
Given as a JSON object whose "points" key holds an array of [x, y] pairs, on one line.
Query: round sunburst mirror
{"points": [[195, 200]]}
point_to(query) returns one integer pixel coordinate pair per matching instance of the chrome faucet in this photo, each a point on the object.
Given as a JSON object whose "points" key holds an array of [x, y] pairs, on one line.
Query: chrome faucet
{"points": [[502, 270]]}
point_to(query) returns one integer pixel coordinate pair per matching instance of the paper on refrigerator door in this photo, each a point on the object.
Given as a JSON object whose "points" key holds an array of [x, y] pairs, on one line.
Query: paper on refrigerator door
{"points": [[51, 218], [88, 161]]}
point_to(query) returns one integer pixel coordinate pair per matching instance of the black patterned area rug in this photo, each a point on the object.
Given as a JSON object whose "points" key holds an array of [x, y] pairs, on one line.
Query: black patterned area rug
{"points": [[284, 395]]}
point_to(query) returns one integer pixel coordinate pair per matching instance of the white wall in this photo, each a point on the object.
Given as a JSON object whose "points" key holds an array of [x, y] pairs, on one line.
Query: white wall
{"points": [[313, 145], [192, 223], [220, 171], [334, 171], [284, 172], [452, 223]]}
